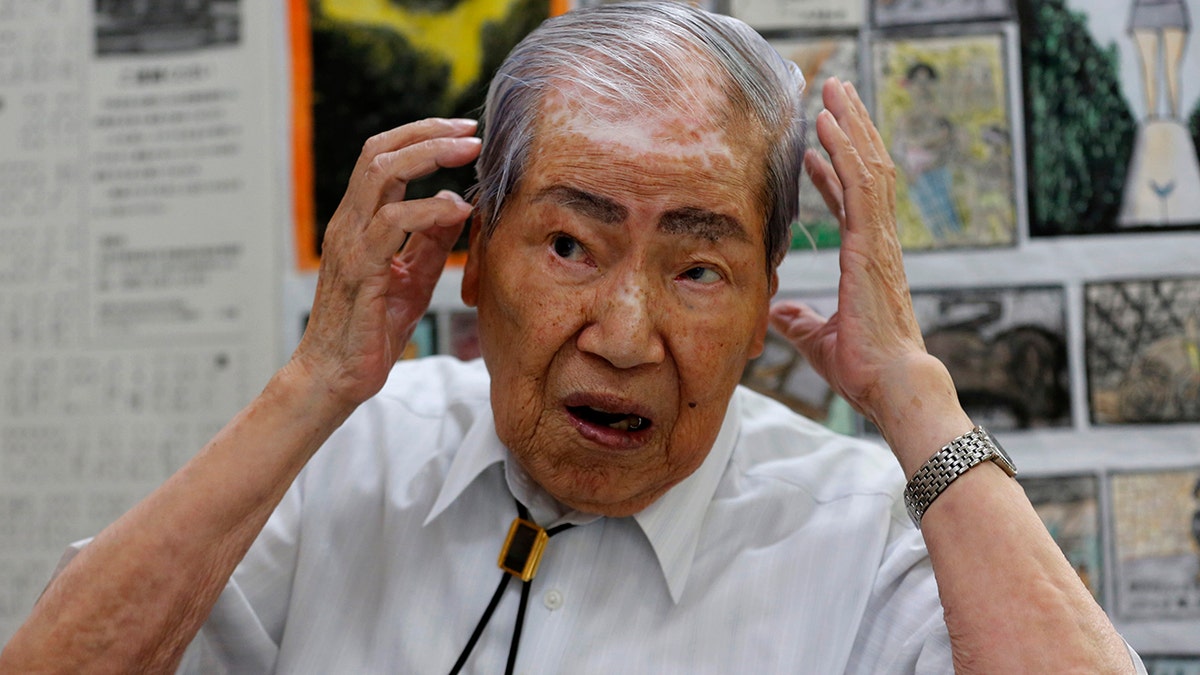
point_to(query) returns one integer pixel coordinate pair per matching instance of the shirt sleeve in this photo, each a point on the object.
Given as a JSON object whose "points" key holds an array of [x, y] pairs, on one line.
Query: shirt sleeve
{"points": [[903, 630], [243, 633]]}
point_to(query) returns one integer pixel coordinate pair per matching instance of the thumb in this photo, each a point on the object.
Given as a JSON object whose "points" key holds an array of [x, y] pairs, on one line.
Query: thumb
{"points": [[801, 325]]}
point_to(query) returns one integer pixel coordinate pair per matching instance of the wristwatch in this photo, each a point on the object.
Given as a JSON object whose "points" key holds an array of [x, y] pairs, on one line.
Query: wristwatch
{"points": [[953, 460]]}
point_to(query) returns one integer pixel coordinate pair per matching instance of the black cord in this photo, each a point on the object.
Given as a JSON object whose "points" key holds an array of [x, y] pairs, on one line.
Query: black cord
{"points": [[483, 621], [516, 638], [523, 514]]}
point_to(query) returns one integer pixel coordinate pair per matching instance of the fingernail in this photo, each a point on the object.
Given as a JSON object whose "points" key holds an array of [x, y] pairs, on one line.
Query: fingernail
{"points": [[464, 122], [454, 197]]}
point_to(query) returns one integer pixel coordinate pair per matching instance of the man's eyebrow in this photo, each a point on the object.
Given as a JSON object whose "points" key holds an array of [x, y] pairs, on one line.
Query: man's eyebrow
{"points": [[587, 204], [702, 223]]}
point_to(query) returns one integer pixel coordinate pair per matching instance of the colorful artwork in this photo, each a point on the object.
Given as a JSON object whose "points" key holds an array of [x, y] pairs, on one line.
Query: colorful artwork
{"points": [[1005, 349], [1068, 506], [1156, 541], [943, 111], [902, 12], [818, 59], [783, 374], [410, 59], [1143, 350], [1111, 122]]}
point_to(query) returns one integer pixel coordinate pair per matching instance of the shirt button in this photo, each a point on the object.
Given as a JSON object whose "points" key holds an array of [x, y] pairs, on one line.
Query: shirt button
{"points": [[553, 599]]}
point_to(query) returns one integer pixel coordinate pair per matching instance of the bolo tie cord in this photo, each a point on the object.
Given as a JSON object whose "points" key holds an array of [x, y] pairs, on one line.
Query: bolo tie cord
{"points": [[522, 514]]}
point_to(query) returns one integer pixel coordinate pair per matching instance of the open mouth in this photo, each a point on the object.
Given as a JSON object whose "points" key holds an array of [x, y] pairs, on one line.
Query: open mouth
{"points": [[620, 421]]}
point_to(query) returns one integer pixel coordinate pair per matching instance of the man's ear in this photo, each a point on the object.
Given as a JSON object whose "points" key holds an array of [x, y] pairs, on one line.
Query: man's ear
{"points": [[760, 330], [470, 281]]}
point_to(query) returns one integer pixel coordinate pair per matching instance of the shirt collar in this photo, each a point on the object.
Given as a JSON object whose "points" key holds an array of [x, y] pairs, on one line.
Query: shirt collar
{"points": [[671, 524]]}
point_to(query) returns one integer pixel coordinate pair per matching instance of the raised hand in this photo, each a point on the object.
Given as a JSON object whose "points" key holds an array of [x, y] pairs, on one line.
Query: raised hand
{"points": [[382, 257], [873, 336]]}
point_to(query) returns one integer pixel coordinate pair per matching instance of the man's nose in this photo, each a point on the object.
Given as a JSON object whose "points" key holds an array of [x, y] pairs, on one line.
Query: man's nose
{"points": [[624, 324]]}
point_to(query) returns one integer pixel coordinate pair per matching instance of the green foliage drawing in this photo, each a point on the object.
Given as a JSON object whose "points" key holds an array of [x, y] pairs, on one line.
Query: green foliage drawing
{"points": [[1079, 129]]}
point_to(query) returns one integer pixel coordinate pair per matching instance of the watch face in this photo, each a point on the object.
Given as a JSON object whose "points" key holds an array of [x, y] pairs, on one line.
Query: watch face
{"points": [[1001, 457]]}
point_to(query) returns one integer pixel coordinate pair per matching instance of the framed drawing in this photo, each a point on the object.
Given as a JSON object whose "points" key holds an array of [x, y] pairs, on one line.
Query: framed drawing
{"points": [[1111, 123], [1006, 349], [942, 107], [1143, 350], [1156, 543]]}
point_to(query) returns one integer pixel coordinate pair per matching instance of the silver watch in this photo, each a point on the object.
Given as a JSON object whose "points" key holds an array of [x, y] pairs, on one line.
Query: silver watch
{"points": [[953, 460]]}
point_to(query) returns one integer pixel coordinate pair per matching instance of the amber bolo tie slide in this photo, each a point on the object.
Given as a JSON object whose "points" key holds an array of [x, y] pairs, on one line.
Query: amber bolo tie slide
{"points": [[523, 548]]}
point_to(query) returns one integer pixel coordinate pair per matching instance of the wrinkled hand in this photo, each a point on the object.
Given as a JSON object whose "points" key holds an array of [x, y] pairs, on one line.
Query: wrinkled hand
{"points": [[369, 297], [865, 348]]}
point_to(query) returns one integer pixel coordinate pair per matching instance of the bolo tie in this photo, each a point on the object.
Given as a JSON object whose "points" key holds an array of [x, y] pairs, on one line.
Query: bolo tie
{"points": [[519, 557]]}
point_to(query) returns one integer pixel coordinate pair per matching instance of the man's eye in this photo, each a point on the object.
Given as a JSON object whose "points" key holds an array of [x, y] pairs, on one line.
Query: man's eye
{"points": [[566, 247], [703, 275]]}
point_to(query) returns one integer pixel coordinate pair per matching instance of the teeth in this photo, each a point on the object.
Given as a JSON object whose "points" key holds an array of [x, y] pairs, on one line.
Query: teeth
{"points": [[612, 420], [630, 423]]}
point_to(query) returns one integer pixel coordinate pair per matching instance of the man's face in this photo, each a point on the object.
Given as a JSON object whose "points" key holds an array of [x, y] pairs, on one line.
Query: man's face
{"points": [[620, 296]]}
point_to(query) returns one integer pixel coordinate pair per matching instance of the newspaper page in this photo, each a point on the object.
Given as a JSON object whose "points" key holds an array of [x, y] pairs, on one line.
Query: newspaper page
{"points": [[139, 219]]}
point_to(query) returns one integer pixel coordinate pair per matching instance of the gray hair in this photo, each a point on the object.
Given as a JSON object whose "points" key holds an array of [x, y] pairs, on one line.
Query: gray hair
{"points": [[629, 54]]}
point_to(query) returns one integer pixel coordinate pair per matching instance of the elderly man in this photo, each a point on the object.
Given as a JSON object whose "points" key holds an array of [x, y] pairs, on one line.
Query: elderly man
{"points": [[636, 186]]}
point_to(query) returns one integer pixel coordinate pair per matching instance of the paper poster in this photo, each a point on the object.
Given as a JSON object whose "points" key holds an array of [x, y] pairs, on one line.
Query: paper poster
{"points": [[1156, 542], [1143, 350], [943, 111], [819, 58], [1069, 507], [140, 218], [797, 14], [1112, 115], [1006, 350]]}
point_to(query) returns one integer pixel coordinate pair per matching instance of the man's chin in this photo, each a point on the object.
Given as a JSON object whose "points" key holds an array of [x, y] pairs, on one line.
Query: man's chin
{"points": [[603, 495]]}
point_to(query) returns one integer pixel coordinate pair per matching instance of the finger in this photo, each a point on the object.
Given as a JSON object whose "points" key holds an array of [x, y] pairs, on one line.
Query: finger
{"points": [[825, 180], [370, 177], [849, 170], [389, 174], [410, 134], [440, 236], [861, 108], [795, 320], [424, 258], [839, 100], [875, 152], [394, 221]]}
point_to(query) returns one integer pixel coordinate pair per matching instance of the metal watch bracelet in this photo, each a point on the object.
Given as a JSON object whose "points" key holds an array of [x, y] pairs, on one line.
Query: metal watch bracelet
{"points": [[946, 465]]}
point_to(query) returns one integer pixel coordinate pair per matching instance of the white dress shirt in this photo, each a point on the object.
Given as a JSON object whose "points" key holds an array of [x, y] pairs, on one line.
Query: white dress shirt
{"points": [[787, 551]]}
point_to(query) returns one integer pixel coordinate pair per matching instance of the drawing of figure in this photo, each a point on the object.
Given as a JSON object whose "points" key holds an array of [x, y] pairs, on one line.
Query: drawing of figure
{"points": [[925, 147], [1196, 523], [1160, 27], [1162, 186]]}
